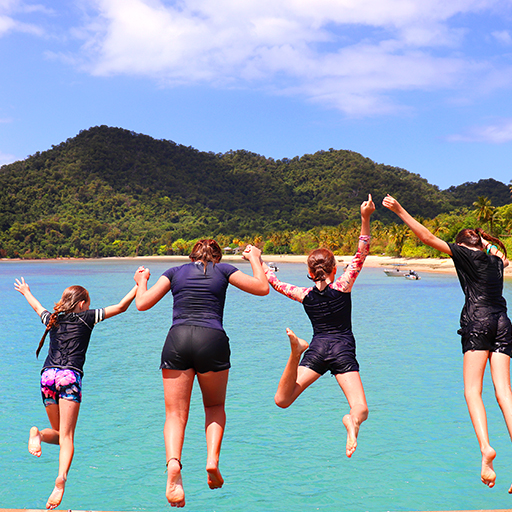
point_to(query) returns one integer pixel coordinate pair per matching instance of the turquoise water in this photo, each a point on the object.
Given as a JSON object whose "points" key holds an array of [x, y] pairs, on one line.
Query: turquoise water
{"points": [[417, 451]]}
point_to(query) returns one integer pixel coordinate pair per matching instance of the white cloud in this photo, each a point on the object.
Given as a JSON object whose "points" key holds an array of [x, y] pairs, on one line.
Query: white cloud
{"points": [[6, 159], [502, 36], [498, 133], [353, 55], [10, 10]]}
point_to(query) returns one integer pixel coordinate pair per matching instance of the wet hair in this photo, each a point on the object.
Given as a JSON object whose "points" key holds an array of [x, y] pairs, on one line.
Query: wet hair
{"points": [[321, 263], [206, 250], [473, 238], [71, 296]]}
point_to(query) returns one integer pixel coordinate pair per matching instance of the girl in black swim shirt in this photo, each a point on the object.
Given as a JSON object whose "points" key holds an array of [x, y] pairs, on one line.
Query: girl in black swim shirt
{"points": [[328, 306], [70, 327], [485, 329]]}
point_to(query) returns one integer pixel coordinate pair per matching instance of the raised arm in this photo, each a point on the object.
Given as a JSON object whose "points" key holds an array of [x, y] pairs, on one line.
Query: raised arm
{"points": [[24, 289], [490, 248], [367, 208], [145, 299], [123, 304], [418, 229], [256, 284], [345, 282]]}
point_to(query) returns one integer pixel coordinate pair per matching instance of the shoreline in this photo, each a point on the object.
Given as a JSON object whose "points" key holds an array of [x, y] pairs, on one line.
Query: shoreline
{"points": [[435, 265]]}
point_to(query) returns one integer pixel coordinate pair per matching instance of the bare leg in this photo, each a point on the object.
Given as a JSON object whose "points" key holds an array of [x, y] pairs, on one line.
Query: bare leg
{"points": [[295, 378], [213, 387], [474, 368], [177, 391], [47, 435], [68, 412], [500, 372], [352, 387]]}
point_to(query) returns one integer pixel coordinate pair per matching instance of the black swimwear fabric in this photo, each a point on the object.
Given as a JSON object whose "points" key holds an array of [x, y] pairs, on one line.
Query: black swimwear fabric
{"points": [[484, 324], [333, 346], [200, 348], [69, 341], [197, 339]]}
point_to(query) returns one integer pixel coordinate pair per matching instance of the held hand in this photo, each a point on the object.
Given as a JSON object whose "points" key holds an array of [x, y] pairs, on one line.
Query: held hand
{"points": [[367, 207], [142, 274], [251, 251], [21, 286], [391, 203]]}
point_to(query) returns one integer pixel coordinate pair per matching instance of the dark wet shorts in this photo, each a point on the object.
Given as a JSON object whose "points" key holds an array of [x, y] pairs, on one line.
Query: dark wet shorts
{"points": [[338, 356], [59, 384], [200, 348], [492, 332]]}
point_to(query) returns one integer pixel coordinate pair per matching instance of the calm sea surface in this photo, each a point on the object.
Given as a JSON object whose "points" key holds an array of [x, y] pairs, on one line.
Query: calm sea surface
{"points": [[417, 451]]}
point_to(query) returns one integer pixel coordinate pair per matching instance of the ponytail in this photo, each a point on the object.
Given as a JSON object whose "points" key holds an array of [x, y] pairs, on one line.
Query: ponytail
{"points": [[493, 240], [473, 238], [206, 250], [71, 296], [321, 263]]}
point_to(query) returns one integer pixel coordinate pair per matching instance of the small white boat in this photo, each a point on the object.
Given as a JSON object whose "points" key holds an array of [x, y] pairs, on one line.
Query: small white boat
{"points": [[396, 272], [272, 266], [412, 276]]}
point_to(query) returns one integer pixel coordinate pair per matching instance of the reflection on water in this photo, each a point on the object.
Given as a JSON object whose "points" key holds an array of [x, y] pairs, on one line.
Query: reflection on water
{"points": [[417, 451]]}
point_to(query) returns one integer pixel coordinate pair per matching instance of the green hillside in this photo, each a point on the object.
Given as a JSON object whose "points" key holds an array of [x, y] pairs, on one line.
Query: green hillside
{"points": [[110, 191]]}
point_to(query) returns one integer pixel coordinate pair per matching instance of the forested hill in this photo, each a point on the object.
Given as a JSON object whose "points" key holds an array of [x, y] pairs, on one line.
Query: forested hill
{"points": [[109, 185]]}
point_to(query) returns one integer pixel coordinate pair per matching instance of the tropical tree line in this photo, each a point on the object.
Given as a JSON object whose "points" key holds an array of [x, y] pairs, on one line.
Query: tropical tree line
{"points": [[43, 239], [113, 192]]}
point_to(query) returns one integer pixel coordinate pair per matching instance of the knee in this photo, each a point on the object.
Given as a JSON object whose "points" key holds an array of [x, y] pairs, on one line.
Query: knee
{"points": [[504, 397], [471, 393], [280, 402]]}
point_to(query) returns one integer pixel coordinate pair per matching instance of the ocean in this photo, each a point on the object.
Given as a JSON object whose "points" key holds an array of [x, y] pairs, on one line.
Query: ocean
{"points": [[417, 450]]}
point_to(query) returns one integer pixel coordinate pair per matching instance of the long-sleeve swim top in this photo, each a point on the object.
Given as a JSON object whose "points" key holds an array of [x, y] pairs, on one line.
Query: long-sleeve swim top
{"points": [[330, 309], [343, 284]]}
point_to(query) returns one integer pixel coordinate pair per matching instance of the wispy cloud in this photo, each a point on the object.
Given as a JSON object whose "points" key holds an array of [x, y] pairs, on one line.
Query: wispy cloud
{"points": [[497, 133], [6, 158], [357, 56], [10, 12], [503, 36]]}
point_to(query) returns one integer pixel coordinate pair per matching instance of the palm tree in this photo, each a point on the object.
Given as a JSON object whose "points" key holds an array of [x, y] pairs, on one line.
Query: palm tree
{"points": [[398, 235], [485, 212]]}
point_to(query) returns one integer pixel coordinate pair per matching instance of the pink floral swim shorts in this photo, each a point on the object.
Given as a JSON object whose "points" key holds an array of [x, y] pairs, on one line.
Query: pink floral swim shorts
{"points": [[57, 383]]}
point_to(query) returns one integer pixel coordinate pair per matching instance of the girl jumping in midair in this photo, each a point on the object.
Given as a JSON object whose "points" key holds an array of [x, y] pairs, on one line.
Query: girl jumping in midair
{"points": [[70, 326], [485, 328], [328, 306]]}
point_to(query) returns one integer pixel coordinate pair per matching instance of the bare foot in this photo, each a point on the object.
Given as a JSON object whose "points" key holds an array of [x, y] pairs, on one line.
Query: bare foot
{"points": [[174, 491], [57, 493], [215, 480], [34, 442], [297, 344], [488, 475], [352, 426]]}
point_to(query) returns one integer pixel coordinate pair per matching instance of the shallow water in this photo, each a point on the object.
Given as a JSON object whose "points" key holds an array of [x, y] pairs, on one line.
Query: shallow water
{"points": [[417, 451]]}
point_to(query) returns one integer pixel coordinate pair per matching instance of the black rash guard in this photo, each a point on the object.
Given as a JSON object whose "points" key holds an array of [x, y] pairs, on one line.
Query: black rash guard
{"points": [[70, 339]]}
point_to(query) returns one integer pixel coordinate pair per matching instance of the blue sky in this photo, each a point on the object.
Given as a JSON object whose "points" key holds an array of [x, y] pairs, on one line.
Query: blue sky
{"points": [[424, 85]]}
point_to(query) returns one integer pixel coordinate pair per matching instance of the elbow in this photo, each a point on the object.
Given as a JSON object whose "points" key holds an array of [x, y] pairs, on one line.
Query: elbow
{"points": [[505, 262], [141, 306]]}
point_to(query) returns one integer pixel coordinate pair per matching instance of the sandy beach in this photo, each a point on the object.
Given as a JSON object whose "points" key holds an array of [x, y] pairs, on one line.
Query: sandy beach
{"points": [[441, 265], [420, 264]]}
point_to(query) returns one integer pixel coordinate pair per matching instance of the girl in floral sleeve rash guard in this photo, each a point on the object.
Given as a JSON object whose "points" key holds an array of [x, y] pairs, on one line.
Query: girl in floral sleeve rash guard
{"points": [[70, 326], [328, 306]]}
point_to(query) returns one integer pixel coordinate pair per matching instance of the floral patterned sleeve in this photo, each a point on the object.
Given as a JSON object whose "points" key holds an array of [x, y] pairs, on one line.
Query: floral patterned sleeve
{"points": [[290, 290], [345, 282]]}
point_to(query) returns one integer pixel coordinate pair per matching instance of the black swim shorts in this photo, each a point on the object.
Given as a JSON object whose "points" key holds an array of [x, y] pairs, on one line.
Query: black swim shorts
{"points": [[338, 356], [201, 348], [492, 332]]}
